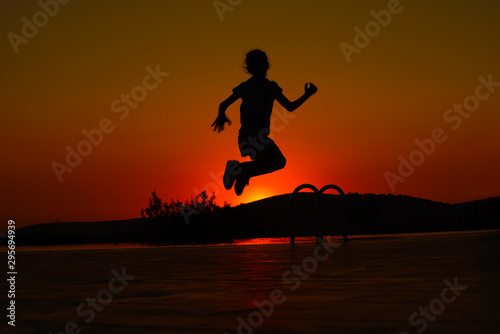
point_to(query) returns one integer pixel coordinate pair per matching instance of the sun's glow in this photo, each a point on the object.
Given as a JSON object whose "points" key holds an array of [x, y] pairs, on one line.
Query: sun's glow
{"points": [[257, 194]]}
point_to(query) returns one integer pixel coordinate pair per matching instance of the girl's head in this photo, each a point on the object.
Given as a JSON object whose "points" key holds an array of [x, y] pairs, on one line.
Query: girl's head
{"points": [[256, 63]]}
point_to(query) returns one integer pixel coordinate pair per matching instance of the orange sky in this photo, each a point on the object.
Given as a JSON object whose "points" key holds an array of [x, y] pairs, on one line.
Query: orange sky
{"points": [[366, 113]]}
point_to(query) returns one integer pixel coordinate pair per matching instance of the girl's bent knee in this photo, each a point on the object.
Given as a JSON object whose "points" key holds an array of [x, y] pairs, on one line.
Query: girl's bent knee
{"points": [[281, 163]]}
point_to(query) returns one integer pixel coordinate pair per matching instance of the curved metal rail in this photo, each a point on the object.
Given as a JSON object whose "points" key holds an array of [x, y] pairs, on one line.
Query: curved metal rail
{"points": [[317, 207]]}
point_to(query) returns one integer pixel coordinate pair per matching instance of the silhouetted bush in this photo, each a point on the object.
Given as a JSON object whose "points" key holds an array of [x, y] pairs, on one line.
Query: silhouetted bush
{"points": [[177, 221]]}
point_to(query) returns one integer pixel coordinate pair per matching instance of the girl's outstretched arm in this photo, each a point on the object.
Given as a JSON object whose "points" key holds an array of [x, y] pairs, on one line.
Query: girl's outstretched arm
{"points": [[221, 119], [291, 106]]}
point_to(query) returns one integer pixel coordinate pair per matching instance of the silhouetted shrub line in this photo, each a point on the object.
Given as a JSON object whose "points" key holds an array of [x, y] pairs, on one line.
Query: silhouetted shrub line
{"points": [[163, 222], [172, 221]]}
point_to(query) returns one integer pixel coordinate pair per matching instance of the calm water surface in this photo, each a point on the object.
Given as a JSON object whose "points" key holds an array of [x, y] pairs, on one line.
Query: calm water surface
{"points": [[244, 242]]}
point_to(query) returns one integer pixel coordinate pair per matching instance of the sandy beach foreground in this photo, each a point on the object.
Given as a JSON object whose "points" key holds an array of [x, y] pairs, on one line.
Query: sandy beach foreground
{"points": [[435, 283]]}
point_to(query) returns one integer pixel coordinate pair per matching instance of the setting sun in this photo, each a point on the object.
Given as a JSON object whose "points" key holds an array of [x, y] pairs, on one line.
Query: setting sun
{"points": [[257, 194]]}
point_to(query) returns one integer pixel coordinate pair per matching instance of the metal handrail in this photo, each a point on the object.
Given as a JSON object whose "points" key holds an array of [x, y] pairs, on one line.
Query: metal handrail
{"points": [[318, 193]]}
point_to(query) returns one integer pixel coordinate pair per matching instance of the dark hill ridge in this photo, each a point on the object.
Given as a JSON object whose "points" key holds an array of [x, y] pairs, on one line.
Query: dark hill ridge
{"points": [[272, 217], [366, 214]]}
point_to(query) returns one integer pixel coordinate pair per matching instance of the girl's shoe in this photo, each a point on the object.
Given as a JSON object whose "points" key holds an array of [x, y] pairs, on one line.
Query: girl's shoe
{"points": [[229, 178], [240, 184]]}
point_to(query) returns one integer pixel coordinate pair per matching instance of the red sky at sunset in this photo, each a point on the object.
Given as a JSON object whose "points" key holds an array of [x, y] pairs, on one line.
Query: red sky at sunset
{"points": [[367, 112]]}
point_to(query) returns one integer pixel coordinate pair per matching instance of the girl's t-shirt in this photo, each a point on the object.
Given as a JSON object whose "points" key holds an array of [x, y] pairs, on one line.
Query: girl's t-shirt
{"points": [[257, 105]]}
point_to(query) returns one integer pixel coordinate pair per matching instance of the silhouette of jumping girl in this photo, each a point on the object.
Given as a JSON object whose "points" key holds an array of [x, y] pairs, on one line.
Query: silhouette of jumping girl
{"points": [[258, 95]]}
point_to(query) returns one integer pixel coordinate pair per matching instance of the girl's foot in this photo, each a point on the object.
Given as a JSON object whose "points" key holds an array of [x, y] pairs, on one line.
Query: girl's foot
{"points": [[230, 173], [240, 184]]}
